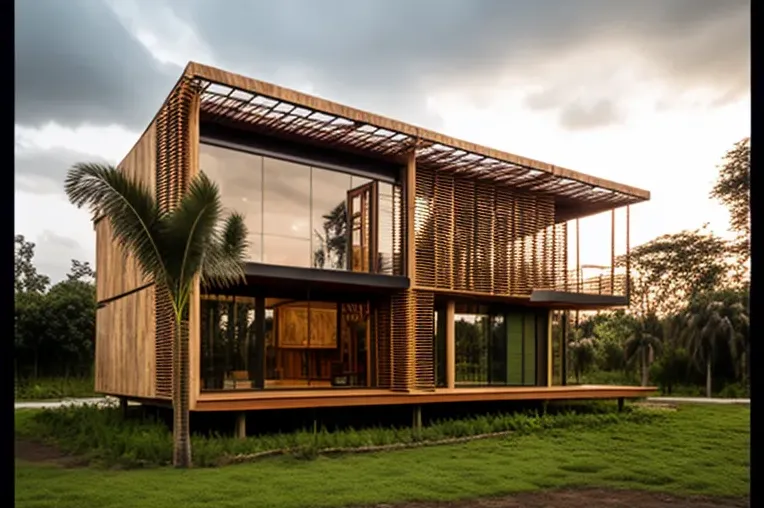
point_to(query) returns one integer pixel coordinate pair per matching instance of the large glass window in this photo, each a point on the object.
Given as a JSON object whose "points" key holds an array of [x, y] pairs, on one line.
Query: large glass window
{"points": [[329, 216], [497, 347], [239, 176], [297, 215], [288, 343]]}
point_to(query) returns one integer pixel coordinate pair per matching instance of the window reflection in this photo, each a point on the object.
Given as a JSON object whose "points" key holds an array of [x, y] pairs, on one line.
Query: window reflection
{"points": [[239, 178], [286, 199], [283, 250], [227, 342], [296, 215], [329, 194], [496, 348]]}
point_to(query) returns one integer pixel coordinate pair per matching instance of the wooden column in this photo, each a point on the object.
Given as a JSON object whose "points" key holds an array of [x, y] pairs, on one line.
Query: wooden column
{"points": [[612, 252], [564, 350], [257, 351], [241, 425], [450, 344], [549, 349], [410, 200], [628, 251]]}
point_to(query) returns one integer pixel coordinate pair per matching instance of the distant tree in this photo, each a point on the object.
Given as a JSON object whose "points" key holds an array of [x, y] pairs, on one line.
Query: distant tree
{"points": [[733, 190], [708, 328], [71, 326], [26, 278], [172, 249], [80, 271], [644, 342], [671, 270], [581, 353]]}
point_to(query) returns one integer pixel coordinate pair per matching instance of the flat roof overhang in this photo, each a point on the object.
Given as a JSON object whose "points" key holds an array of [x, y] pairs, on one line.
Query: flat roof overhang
{"points": [[249, 104], [577, 300], [289, 281]]}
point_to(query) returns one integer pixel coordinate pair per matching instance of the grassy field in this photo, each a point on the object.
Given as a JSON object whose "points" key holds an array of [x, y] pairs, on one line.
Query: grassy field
{"points": [[53, 388], [695, 450]]}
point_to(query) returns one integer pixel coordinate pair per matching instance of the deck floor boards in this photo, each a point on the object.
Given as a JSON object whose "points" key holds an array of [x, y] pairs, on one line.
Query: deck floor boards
{"points": [[302, 398]]}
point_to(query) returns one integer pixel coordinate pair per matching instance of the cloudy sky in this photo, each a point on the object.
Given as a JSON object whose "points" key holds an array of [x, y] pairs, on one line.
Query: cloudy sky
{"points": [[648, 93]]}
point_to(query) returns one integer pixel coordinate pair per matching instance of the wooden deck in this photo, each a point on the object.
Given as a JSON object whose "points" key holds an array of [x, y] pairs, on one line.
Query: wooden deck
{"points": [[296, 399]]}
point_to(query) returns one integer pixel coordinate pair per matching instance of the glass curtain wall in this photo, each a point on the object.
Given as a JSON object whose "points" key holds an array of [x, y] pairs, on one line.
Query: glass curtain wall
{"points": [[298, 215], [290, 343], [498, 346]]}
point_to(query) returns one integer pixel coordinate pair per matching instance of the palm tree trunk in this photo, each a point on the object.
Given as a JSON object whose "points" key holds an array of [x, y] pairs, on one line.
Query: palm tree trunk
{"points": [[708, 378], [180, 404], [644, 367]]}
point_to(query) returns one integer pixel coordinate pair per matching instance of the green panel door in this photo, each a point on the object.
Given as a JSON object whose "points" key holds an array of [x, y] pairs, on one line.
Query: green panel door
{"points": [[514, 324], [529, 347]]}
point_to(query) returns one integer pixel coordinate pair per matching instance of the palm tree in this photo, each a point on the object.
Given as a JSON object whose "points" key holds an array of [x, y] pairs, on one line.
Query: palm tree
{"points": [[172, 248], [644, 342], [581, 350], [707, 328]]}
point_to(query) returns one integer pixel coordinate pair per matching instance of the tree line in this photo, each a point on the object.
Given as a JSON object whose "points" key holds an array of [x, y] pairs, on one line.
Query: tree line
{"points": [[54, 324], [688, 320]]}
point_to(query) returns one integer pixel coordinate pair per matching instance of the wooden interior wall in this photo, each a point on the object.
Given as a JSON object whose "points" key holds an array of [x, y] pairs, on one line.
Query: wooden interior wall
{"points": [[124, 346], [474, 236], [117, 273], [177, 133]]}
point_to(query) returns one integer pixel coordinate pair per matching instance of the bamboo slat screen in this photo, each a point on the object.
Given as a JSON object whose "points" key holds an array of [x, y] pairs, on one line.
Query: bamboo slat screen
{"points": [[402, 330], [172, 166], [382, 323], [476, 236]]}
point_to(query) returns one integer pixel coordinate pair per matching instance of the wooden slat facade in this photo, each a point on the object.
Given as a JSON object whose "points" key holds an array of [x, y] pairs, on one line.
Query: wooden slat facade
{"points": [[125, 331], [119, 274]]}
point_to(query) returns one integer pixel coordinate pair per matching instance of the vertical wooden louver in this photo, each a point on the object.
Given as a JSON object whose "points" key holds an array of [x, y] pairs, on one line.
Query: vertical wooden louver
{"points": [[172, 180], [478, 237], [402, 340], [382, 315], [424, 312]]}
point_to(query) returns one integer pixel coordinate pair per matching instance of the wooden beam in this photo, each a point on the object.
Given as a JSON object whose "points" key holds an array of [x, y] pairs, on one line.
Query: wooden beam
{"points": [[549, 356]]}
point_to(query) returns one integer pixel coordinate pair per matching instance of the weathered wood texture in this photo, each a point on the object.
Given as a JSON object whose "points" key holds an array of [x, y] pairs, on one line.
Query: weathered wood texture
{"points": [[117, 273], [125, 346]]}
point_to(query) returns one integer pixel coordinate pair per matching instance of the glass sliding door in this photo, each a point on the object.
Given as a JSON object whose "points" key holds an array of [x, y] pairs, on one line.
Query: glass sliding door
{"points": [[498, 346]]}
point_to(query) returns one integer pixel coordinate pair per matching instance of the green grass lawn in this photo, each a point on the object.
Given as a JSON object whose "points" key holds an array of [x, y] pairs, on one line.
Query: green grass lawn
{"points": [[696, 450], [53, 388]]}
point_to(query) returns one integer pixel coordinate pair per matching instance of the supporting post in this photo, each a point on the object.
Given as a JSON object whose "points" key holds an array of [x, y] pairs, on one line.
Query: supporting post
{"points": [[620, 404], [416, 422], [628, 264], [123, 406], [564, 349], [450, 345], [241, 425], [612, 252]]}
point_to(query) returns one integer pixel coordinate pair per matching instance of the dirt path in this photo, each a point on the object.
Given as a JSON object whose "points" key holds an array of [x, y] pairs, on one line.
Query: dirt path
{"points": [[586, 498], [32, 451]]}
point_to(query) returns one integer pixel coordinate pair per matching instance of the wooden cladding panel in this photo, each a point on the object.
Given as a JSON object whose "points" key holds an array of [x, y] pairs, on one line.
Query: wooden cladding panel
{"points": [[402, 340], [117, 272], [382, 317], [174, 152], [125, 347], [478, 237], [424, 311]]}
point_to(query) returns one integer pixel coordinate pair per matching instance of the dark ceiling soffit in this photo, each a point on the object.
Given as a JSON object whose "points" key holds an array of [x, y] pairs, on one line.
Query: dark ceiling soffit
{"points": [[562, 297], [331, 277]]}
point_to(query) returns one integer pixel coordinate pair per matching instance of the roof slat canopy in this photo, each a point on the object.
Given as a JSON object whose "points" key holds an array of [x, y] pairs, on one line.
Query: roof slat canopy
{"points": [[267, 108]]}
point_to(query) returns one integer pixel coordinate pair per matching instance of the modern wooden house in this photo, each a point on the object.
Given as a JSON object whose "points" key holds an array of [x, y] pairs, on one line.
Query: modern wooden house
{"points": [[387, 264]]}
